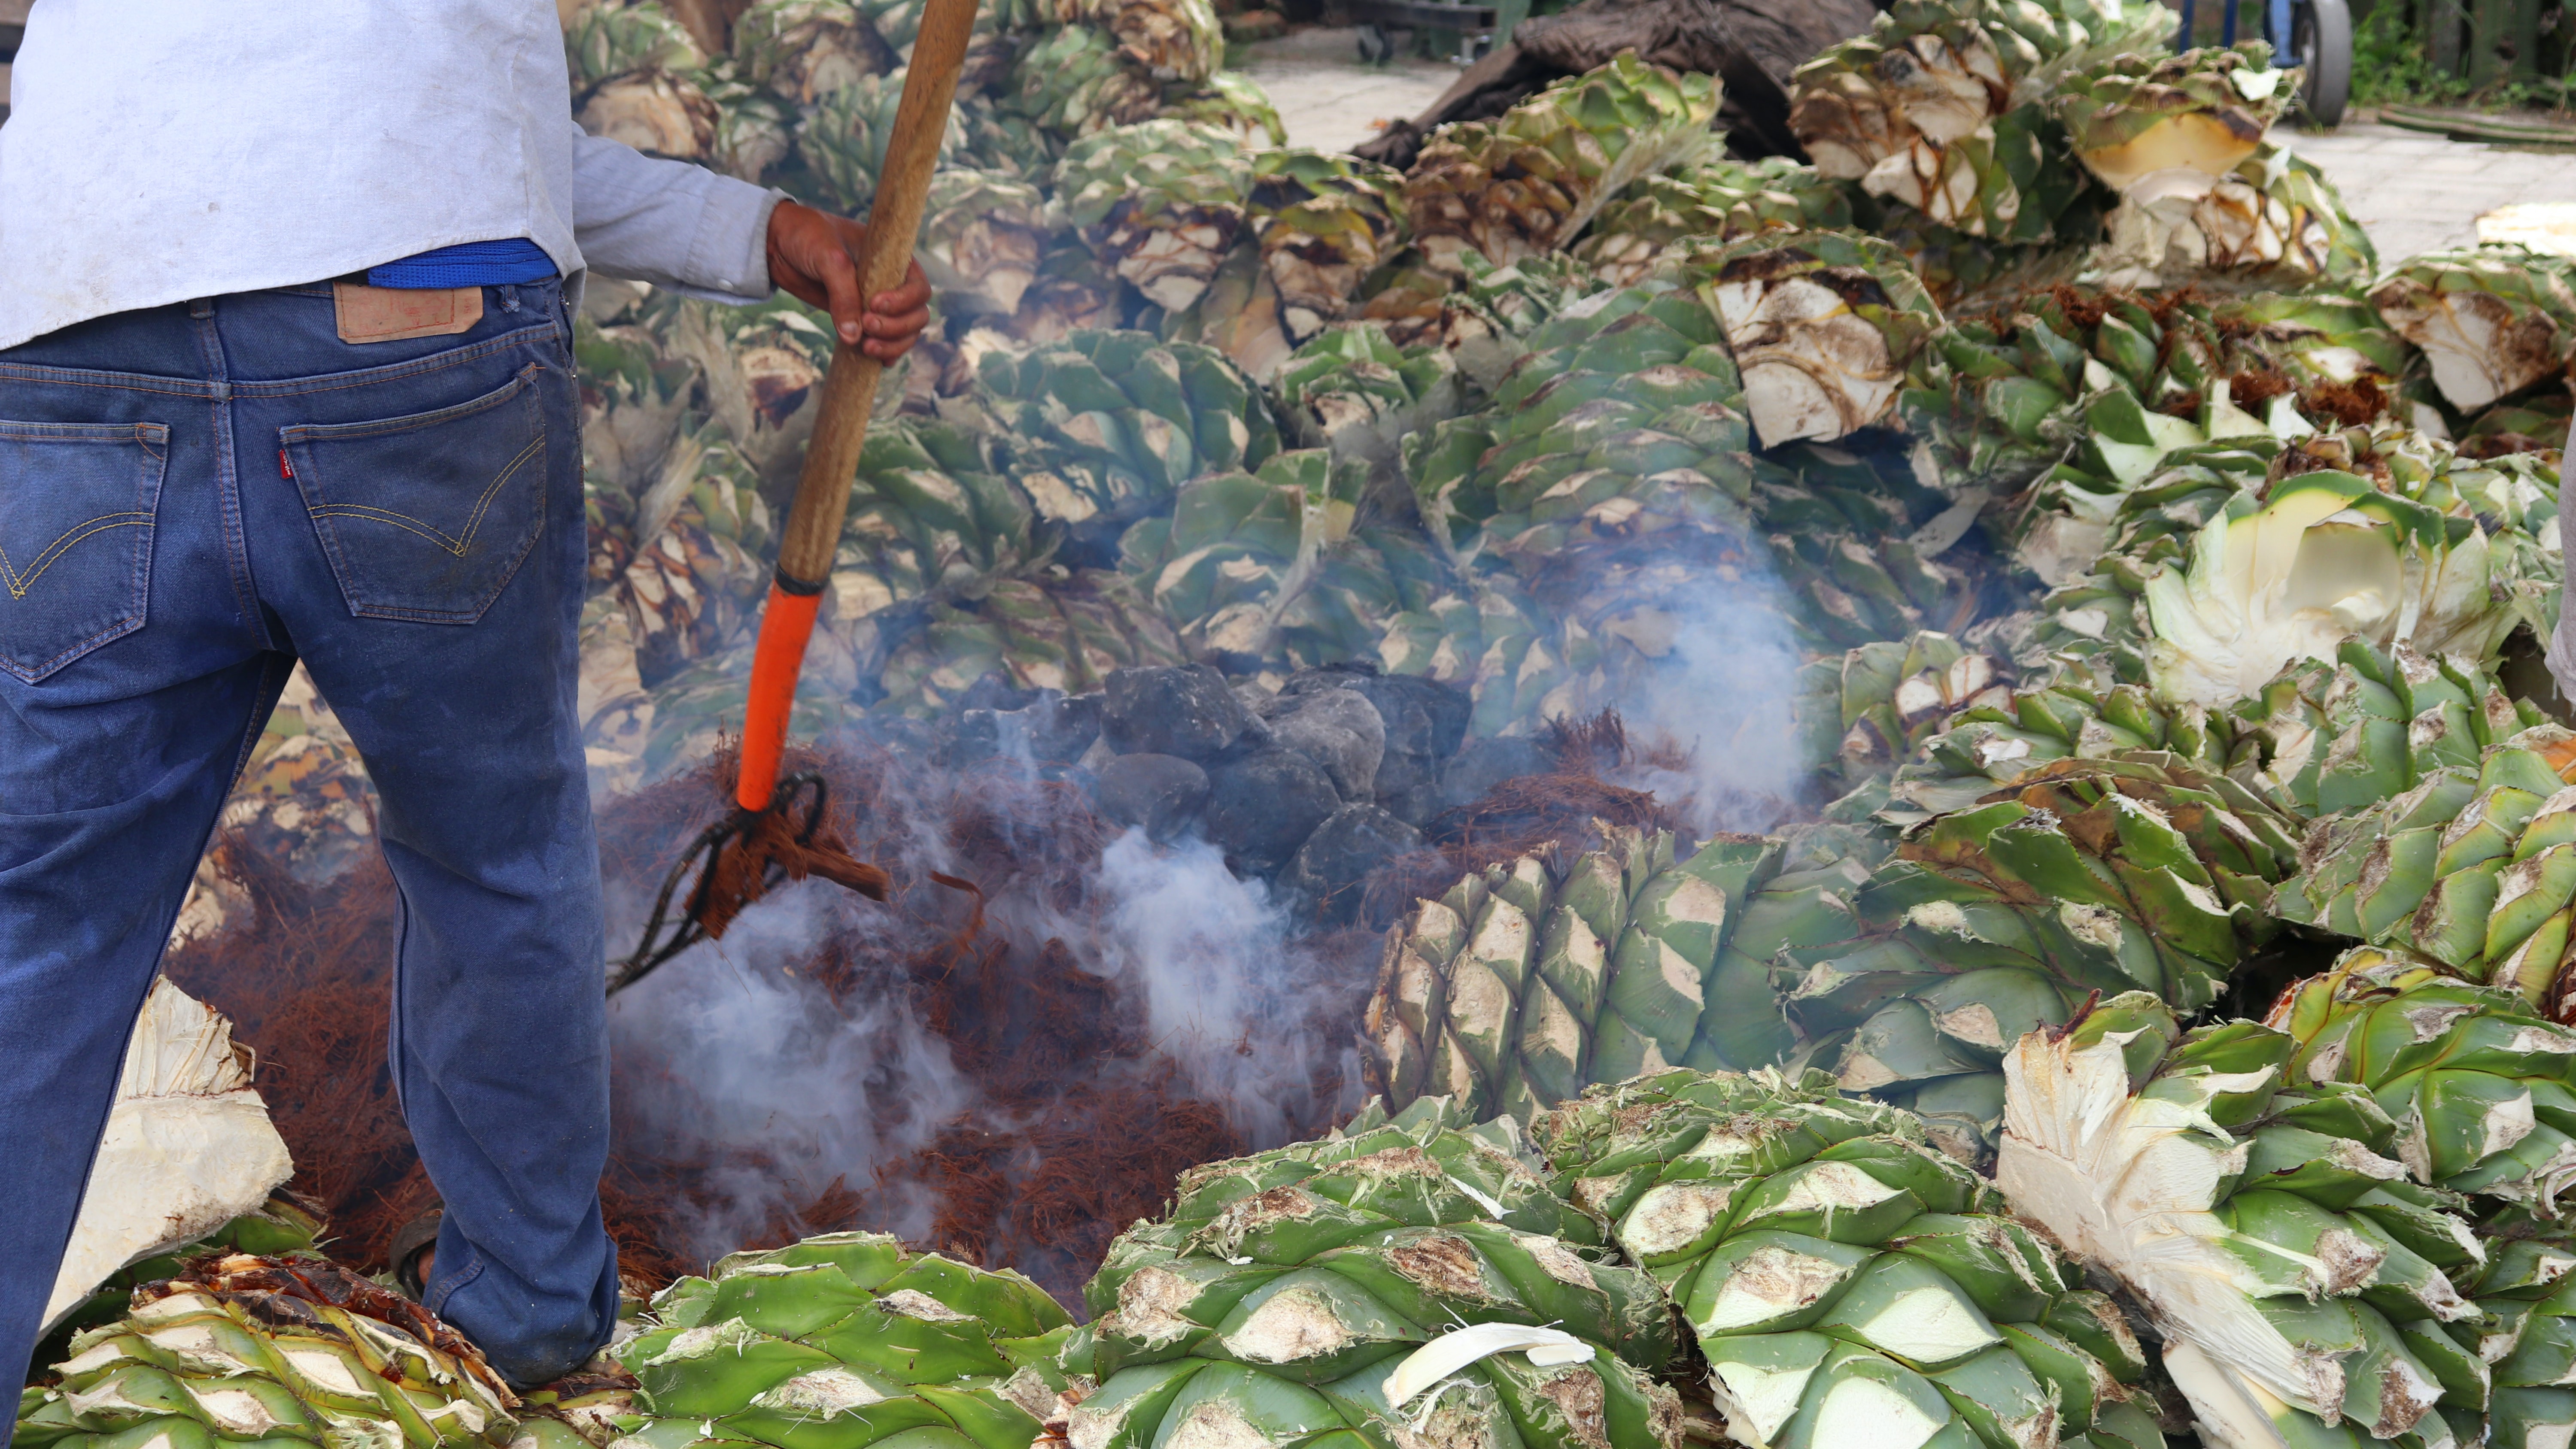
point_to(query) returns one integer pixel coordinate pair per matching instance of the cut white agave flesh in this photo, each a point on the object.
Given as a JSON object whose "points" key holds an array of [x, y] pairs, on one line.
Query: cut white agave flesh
{"points": [[2129, 1183], [1462, 1347], [2241, 227], [1947, 92], [1942, 184], [1811, 367], [1913, 1310], [2061, 548], [188, 1147], [2193, 140], [195, 1344], [1673, 1216], [2288, 582], [2256, 85], [1877, 1409], [328, 1370], [236, 1412], [2478, 349], [347, 1431], [913, 1303], [1918, 699], [2231, 1411]]}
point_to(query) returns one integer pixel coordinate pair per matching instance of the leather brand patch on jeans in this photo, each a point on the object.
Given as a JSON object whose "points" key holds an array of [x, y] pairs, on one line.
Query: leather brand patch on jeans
{"points": [[397, 314]]}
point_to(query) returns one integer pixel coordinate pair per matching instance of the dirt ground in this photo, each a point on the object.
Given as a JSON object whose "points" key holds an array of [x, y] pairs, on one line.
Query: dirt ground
{"points": [[2413, 192]]}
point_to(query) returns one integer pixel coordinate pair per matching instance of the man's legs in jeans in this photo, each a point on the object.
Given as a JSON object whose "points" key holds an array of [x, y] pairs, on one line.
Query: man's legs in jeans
{"points": [[407, 517]]}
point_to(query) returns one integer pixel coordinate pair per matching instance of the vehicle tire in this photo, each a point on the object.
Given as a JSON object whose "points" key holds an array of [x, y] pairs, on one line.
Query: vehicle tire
{"points": [[2321, 44]]}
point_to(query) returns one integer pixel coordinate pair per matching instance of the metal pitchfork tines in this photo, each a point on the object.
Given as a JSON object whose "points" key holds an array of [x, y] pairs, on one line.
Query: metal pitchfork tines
{"points": [[771, 846], [760, 844]]}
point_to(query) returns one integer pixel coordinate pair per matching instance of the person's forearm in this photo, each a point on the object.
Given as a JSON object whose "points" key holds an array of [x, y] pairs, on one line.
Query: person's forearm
{"points": [[675, 225]]}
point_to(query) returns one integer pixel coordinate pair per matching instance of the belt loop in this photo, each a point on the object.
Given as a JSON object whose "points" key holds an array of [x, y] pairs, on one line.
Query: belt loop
{"points": [[201, 308]]}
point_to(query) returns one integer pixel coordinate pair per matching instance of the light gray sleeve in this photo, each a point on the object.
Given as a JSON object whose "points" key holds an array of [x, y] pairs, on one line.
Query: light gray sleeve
{"points": [[682, 227]]}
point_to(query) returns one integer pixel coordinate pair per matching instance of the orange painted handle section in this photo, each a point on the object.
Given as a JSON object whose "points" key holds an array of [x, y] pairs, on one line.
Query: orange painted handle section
{"points": [[785, 625], [807, 545]]}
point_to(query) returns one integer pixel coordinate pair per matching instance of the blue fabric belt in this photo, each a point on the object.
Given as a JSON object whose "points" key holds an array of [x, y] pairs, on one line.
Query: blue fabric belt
{"points": [[474, 264]]}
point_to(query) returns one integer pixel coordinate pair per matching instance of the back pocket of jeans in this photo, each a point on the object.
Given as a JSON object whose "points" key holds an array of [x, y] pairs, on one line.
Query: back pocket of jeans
{"points": [[427, 517], [77, 502]]}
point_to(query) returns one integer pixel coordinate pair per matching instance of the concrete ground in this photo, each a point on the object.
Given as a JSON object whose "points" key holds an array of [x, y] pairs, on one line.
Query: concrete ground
{"points": [[2415, 192], [1329, 99], [2412, 191]]}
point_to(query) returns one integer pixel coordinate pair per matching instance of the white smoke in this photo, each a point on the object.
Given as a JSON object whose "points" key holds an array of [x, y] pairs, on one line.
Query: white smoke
{"points": [[1227, 996], [1726, 692], [744, 1054]]}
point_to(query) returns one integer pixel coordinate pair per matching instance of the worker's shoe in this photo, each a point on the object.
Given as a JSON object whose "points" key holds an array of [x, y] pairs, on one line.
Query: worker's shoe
{"points": [[413, 1249]]}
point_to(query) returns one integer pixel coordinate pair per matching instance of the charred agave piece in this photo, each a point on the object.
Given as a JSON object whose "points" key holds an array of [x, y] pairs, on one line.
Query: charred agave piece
{"points": [[983, 239], [1530, 180], [1162, 199], [1937, 107], [1663, 218], [1325, 223], [2492, 320], [1823, 326], [803, 50]]}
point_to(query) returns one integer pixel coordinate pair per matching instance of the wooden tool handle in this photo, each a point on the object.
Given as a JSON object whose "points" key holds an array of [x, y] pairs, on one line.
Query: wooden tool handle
{"points": [[894, 223], [813, 534]]}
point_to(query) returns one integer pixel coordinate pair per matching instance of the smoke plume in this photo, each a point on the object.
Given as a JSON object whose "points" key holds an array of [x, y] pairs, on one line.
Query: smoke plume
{"points": [[1726, 695]]}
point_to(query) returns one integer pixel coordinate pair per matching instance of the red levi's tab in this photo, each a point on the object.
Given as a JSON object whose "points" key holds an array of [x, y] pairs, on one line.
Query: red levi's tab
{"points": [[285, 469]]}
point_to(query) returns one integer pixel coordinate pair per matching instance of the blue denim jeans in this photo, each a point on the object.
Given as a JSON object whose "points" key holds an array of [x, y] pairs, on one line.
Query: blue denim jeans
{"points": [[192, 498]]}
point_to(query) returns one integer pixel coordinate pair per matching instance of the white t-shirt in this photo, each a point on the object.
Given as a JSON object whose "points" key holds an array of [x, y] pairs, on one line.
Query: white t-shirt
{"points": [[162, 150]]}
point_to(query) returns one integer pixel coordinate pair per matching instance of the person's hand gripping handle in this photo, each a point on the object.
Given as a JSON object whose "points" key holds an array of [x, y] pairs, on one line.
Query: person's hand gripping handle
{"points": [[813, 530]]}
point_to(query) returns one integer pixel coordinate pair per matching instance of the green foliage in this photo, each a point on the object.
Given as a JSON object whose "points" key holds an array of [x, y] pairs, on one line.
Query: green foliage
{"points": [[2392, 65]]}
